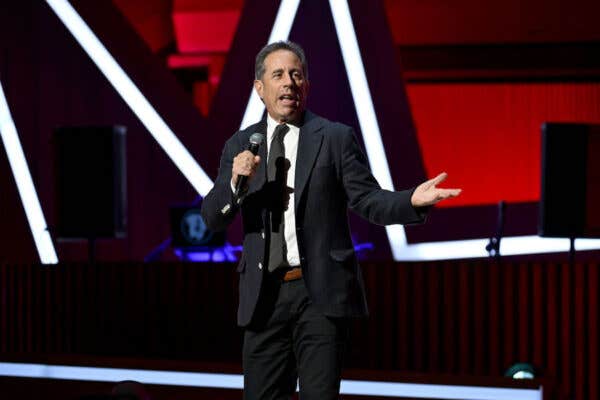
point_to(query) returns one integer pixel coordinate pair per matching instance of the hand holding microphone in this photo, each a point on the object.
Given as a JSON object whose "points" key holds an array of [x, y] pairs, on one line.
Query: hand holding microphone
{"points": [[245, 163]]}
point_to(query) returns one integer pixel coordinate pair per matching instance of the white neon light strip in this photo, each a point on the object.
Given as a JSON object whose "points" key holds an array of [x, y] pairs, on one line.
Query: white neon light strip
{"points": [[29, 198], [235, 381], [367, 118], [132, 96], [281, 31], [509, 246]]}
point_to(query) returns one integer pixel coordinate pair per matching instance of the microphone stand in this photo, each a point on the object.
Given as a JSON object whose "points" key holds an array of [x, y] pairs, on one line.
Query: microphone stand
{"points": [[493, 246]]}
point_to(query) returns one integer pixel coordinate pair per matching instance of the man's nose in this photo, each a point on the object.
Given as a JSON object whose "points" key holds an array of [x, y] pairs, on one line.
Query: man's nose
{"points": [[288, 80]]}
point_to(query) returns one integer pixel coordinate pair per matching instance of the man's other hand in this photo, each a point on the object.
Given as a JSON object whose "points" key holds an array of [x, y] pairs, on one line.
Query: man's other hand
{"points": [[427, 194], [245, 164]]}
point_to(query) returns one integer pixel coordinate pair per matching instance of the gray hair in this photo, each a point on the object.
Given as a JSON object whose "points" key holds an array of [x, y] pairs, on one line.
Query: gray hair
{"points": [[259, 66]]}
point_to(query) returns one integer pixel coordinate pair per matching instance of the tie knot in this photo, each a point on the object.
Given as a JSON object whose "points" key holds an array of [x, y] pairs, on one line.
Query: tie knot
{"points": [[280, 131]]}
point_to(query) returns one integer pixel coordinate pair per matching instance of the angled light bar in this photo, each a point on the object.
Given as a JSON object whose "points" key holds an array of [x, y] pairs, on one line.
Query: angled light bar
{"points": [[132, 96], [281, 31], [235, 381], [29, 198], [475, 248], [363, 104]]}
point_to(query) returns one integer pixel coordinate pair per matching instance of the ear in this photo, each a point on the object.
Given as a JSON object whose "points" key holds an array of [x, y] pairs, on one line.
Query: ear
{"points": [[259, 87]]}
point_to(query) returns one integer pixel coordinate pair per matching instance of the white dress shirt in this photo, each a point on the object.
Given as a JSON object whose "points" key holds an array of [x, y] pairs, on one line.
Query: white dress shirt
{"points": [[290, 142]]}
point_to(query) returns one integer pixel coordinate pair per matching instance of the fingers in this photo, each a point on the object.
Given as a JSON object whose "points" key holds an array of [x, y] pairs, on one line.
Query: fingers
{"points": [[447, 193], [433, 196], [245, 164], [438, 179], [427, 194], [434, 181]]}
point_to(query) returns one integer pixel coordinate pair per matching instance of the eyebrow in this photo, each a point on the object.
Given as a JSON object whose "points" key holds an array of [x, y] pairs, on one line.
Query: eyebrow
{"points": [[280, 70]]}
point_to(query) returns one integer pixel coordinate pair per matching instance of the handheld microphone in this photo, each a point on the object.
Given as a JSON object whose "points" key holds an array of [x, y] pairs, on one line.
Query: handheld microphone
{"points": [[254, 143]]}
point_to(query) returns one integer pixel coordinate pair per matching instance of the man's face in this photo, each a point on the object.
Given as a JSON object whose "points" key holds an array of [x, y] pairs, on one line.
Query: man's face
{"points": [[283, 86]]}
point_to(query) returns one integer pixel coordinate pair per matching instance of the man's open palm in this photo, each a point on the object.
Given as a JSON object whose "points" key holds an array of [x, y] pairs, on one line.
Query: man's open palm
{"points": [[427, 194]]}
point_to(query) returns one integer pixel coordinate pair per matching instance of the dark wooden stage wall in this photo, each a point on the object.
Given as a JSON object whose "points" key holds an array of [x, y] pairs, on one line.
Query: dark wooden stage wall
{"points": [[465, 318]]}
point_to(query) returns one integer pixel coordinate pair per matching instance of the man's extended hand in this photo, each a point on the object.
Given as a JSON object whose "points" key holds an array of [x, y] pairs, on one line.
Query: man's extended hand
{"points": [[426, 194]]}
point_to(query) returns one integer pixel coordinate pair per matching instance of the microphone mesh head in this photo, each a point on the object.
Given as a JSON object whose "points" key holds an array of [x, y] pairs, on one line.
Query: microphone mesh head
{"points": [[257, 138]]}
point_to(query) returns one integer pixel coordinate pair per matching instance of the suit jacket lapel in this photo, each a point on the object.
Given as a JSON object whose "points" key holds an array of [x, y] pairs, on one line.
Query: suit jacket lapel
{"points": [[309, 143]]}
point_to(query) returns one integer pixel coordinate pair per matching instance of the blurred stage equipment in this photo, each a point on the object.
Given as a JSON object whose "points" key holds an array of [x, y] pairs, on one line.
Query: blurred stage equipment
{"points": [[191, 240], [493, 247], [520, 371], [188, 229], [570, 190], [91, 184]]}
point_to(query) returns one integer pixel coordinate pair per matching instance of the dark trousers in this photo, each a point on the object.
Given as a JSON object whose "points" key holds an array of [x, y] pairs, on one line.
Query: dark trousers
{"points": [[291, 340]]}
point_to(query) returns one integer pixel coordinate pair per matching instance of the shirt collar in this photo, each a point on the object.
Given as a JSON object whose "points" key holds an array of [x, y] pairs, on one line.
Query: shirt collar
{"points": [[272, 124]]}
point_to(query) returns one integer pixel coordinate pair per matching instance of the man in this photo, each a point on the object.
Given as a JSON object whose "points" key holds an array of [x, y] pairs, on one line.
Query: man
{"points": [[299, 278]]}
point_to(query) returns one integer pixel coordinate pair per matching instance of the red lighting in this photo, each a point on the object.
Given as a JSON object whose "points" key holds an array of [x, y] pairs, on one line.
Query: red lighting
{"points": [[205, 31], [487, 135]]}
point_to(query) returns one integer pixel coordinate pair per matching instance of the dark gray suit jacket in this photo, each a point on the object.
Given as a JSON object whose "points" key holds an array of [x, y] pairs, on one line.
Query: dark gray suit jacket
{"points": [[332, 175]]}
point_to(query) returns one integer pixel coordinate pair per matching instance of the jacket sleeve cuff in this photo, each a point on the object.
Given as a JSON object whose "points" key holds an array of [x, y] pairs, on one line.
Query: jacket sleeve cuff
{"points": [[420, 212]]}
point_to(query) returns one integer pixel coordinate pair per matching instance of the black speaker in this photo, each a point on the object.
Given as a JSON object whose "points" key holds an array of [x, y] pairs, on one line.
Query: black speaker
{"points": [[570, 192], [91, 182]]}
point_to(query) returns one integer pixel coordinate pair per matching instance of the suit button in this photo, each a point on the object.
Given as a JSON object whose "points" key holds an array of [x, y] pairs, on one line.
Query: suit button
{"points": [[302, 259], [262, 234], [259, 265], [298, 229]]}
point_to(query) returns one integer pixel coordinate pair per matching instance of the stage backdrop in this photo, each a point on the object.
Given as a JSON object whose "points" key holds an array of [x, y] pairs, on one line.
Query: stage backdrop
{"points": [[470, 108]]}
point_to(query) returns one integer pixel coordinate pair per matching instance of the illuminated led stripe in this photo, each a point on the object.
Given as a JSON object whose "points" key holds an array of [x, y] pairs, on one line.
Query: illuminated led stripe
{"points": [[235, 381], [433, 391], [280, 31], [475, 248], [367, 118], [132, 96], [29, 198]]}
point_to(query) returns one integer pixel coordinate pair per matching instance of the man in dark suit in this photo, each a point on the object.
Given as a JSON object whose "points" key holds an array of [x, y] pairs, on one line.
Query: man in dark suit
{"points": [[299, 278]]}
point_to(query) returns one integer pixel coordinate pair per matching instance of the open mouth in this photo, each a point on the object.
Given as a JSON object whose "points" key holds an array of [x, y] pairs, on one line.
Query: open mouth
{"points": [[288, 99]]}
